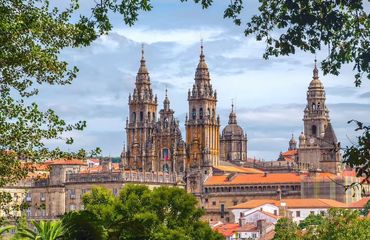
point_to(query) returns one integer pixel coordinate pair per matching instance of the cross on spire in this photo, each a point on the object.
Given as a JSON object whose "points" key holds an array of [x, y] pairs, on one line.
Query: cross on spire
{"points": [[315, 71]]}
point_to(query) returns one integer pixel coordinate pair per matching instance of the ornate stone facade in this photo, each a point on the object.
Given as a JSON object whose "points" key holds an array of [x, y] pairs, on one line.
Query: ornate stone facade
{"points": [[140, 123], [202, 128], [318, 145], [152, 144], [233, 142]]}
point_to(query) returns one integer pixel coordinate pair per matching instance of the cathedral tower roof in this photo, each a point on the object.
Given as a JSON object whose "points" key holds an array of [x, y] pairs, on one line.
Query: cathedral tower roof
{"points": [[202, 73], [232, 116], [166, 102], [142, 76]]}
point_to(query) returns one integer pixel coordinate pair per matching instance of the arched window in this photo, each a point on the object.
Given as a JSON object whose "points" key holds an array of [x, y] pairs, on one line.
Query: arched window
{"points": [[201, 113], [148, 116], [208, 112], [153, 116], [213, 113], [134, 117], [313, 106], [194, 114], [318, 105], [314, 130], [141, 116]]}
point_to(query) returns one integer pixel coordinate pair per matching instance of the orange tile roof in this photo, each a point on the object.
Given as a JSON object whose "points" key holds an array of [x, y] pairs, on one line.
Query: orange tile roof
{"points": [[227, 229], [65, 162], [290, 153], [268, 236], [237, 169], [247, 228], [254, 179], [293, 203], [360, 203]]}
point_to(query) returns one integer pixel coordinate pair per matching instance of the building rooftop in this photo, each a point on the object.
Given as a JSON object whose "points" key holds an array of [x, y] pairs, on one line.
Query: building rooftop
{"points": [[293, 203], [237, 169], [227, 229], [360, 204], [65, 162], [254, 179]]}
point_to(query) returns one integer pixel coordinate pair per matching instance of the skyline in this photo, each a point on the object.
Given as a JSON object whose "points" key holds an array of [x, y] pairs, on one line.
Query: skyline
{"points": [[269, 95]]}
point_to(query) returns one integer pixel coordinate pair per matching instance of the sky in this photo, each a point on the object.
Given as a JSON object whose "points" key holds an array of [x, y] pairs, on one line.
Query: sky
{"points": [[269, 95]]}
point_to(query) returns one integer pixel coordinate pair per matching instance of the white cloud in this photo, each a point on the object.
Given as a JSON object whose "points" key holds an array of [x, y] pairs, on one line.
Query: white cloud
{"points": [[179, 36]]}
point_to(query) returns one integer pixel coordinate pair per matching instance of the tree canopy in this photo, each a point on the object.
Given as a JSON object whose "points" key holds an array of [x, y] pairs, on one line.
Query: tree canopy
{"points": [[338, 224], [140, 213]]}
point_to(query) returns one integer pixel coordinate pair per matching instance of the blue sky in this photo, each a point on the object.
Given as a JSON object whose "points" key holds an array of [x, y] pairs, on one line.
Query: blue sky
{"points": [[269, 95]]}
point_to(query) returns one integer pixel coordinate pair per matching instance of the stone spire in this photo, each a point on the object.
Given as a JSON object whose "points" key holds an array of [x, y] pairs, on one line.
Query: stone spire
{"points": [[292, 143], [142, 76], [232, 116], [202, 73], [315, 71], [166, 102], [316, 114]]}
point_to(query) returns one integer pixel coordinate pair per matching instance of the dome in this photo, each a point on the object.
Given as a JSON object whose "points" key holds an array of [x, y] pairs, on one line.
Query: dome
{"points": [[233, 129], [316, 83]]}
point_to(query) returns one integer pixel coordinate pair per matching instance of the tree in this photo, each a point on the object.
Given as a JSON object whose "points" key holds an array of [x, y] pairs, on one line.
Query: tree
{"points": [[286, 229], [311, 220], [45, 230], [365, 211], [140, 213], [82, 225], [341, 224]]}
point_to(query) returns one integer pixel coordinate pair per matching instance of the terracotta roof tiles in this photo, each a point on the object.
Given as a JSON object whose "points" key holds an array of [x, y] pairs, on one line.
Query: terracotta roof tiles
{"points": [[293, 203]]}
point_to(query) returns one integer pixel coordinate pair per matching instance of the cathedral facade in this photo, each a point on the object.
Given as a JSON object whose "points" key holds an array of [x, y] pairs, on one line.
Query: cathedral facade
{"points": [[155, 142]]}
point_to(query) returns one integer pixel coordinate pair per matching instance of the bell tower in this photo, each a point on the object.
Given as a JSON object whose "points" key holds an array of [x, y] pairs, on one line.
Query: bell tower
{"points": [[318, 146], [202, 125], [141, 121]]}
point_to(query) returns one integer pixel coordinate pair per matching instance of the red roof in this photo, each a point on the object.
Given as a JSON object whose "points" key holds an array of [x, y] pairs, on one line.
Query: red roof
{"points": [[227, 229], [290, 153], [65, 162], [254, 179], [360, 204], [292, 203]]}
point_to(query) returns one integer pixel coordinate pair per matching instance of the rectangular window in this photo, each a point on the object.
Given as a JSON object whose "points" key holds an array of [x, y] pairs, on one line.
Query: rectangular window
{"points": [[206, 200], [72, 193], [214, 203], [312, 212], [275, 212], [235, 202], [254, 235], [298, 213], [322, 213], [222, 210], [42, 197]]}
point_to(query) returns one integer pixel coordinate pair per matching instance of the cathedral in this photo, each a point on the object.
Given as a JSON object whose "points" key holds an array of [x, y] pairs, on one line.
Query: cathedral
{"points": [[155, 142]]}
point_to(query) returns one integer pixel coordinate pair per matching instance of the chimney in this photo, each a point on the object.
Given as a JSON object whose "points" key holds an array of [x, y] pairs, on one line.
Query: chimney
{"points": [[261, 226]]}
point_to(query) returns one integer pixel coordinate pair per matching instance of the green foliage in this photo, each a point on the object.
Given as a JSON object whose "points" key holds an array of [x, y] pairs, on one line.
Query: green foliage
{"points": [[45, 230], [357, 156], [83, 225], [339, 224], [311, 220], [286, 229], [140, 213], [366, 210]]}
